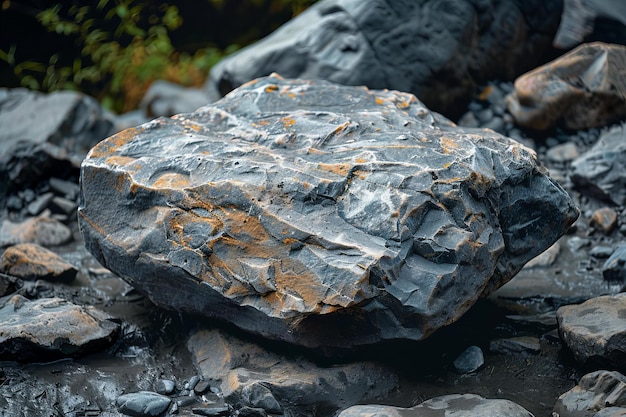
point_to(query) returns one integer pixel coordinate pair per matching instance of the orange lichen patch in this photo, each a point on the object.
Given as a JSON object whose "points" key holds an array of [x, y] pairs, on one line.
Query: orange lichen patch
{"points": [[119, 160], [193, 126], [271, 88], [290, 241], [448, 145], [340, 168], [360, 160], [172, 180], [380, 100], [403, 104], [288, 121], [261, 123], [485, 93], [114, 143]]}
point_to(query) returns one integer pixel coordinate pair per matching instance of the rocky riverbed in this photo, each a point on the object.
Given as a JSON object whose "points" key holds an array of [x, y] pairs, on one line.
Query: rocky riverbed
{"points": [[78, 340]]}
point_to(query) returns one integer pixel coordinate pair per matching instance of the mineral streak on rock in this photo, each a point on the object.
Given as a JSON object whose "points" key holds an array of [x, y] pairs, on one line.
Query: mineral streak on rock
{"points": [[318, 214]]}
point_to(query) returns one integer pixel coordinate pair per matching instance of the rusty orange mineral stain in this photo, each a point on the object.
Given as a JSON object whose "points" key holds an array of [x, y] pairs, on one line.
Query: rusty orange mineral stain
{"points": [[380, 100], [288, 121], [114, 143], [340, 168], [485, 93], [271, 88], [119, 160], [172, 180], [448, 144]]}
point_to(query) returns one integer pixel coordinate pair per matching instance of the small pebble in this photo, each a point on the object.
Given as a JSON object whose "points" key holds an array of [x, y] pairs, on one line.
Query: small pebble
{"points": [[165, 386], [604, 220], [471, 360], [38, 205], [143, 403], [201, 387]]}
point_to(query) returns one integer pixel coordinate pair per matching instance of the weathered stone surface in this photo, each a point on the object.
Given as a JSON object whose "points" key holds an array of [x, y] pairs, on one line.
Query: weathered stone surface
{"points": [[601, 171], [595, 391], [595, 331], [470, 360], [251, 376], [51, 328], [582, 89], [29, 261], [41, 230], [437, 50], [466, 405], [299, 209]]}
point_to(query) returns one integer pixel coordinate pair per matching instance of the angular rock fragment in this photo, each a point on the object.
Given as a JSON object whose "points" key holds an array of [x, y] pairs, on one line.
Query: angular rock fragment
{"points": [[582, 89], [578, 17], [466, 405], [596, 391], [298, 209], [437, 50], [595, 331], [614, 269], [143, 404], [601, 171], [51, 328], [29, 261]]}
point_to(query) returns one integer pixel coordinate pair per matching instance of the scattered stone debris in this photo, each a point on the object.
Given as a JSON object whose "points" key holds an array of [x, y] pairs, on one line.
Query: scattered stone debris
{"points": [[41, 230], [522, 344], [614, 269]]}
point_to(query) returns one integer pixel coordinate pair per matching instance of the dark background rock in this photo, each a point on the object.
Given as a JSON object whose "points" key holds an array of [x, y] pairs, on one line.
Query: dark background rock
{"points": [[438, 50], [366, 212]]}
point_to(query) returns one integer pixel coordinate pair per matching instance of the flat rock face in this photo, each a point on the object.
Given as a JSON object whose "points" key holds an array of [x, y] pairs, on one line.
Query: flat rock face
{"points": [[298, 210]]}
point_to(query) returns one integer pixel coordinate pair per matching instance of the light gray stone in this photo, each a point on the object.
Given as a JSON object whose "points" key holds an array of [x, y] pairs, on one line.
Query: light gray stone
{"points": [[455, 405]]}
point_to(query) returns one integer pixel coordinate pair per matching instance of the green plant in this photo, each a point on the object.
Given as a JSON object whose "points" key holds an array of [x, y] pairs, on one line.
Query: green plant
{"points": [[124, 45]]}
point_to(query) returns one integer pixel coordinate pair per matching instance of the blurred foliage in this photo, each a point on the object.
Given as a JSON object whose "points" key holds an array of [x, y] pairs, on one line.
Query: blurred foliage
{"points": [[119, 47]]}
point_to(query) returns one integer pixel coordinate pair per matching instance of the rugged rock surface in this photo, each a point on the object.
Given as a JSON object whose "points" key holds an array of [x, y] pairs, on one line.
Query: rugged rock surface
{"points": [[582, 89], [297, 209], [601, 172], [437, 50], [598, 394], [51, 328], [466, 405], [595, 331], [41, 230]]}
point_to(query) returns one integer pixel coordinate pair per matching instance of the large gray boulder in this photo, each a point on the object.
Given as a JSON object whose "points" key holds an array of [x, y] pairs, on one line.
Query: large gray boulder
{"points": [[318, 214], [438, 50]]}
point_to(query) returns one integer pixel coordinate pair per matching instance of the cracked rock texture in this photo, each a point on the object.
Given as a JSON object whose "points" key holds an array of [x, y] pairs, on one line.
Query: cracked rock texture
{"points": [[318, 214]]}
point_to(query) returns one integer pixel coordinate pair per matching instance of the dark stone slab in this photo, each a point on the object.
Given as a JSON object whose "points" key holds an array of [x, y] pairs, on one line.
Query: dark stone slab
{"points": [[298, 210], [438, 50]]}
